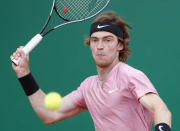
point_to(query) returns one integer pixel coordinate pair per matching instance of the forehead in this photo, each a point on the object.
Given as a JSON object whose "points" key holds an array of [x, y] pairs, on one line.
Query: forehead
{"points": [[102, 34]]}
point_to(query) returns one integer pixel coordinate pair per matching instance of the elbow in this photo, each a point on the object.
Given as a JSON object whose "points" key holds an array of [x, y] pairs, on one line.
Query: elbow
{"points": [[49, 121], [51, 118]]}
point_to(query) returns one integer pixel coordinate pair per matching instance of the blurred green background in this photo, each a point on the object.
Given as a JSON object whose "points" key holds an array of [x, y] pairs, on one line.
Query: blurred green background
{"points": [[61, 62]]}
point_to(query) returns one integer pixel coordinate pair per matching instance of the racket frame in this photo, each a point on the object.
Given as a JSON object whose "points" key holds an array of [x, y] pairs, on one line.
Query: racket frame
{"points": [[38, 37], [67, 21]]}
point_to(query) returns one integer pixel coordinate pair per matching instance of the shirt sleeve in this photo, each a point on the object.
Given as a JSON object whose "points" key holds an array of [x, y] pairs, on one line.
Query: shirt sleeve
{"points": [[140, 85], [77, 97]]}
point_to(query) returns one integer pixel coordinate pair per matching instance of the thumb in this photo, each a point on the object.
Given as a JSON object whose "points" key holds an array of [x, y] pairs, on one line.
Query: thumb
{"points": [[21, 52]]}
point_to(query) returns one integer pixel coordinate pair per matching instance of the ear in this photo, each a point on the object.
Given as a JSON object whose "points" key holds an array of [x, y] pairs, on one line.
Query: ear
{"points": [[120, 46]]}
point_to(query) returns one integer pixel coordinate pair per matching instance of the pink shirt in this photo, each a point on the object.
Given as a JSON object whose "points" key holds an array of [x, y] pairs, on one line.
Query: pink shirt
{"points": [[114, 105]]}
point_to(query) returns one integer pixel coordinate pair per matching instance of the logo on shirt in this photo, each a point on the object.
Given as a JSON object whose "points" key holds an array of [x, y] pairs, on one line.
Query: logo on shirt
{"points": [[111, 91], [160, 128]]}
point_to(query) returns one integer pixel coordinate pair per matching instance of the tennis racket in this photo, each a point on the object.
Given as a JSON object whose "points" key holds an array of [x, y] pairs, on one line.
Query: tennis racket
{"points": [[70, 11]]}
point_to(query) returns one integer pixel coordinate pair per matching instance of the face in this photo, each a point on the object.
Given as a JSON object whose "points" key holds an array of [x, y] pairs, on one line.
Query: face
{"points": [[105, 48]]}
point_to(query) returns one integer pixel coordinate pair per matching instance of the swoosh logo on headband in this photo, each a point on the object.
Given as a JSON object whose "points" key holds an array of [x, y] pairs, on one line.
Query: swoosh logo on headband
{"points": [[99, 27]]}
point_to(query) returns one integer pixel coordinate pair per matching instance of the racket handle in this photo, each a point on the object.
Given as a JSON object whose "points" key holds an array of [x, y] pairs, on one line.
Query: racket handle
{"points": [[29, 46]]}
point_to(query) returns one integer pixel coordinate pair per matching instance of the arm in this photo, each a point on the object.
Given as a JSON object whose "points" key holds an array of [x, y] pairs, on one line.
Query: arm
{"points": [[66, 110], [155, 105], [36, 99]]}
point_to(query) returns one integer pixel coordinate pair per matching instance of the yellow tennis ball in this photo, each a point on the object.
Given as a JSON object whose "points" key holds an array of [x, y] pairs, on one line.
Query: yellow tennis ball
{"points": [[53, 101]]}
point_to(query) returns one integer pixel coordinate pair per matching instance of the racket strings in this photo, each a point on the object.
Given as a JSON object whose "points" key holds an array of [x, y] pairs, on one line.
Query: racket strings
{"points": [[71, 12], [75, 12], [96, 8], [79, 9], [73, 9]]}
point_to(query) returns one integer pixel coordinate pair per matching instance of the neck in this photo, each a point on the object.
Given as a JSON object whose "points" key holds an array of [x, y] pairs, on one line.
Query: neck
{"points": [[103, 71]]}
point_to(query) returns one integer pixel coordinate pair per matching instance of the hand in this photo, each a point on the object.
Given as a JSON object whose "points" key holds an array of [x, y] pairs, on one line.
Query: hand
{"points": [[22, 69]]}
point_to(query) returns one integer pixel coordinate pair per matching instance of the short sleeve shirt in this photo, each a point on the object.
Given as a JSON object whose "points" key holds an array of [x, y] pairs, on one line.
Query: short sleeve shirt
{"points": [[114, 103]]}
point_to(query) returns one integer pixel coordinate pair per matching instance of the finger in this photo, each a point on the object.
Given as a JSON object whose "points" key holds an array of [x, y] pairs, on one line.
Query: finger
{"points": [[12, 58], [14, 66], [16, 54], [27, 57], [22, 52], [21, 47], [19, 51]]}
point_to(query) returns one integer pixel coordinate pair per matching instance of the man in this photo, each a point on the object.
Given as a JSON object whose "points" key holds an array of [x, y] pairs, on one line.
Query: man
{"points": [[119, 98]]}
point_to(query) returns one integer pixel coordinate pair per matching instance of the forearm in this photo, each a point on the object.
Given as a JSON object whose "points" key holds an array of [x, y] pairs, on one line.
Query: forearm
{"points": [[162, 116], [36, 97], [34, 93], [37, 102]]}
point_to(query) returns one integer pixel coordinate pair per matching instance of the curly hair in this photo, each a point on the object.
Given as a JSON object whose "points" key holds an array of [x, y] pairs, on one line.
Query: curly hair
{"points": [[113, 18]]}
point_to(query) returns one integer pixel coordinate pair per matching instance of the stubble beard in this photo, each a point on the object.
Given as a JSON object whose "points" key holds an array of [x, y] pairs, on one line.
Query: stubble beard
{"points": [[105, 63], [102, 64]]}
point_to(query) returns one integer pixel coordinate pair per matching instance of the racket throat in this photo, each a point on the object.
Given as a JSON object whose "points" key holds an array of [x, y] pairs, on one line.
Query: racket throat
{"points": [[43, 34], [47, 21]]}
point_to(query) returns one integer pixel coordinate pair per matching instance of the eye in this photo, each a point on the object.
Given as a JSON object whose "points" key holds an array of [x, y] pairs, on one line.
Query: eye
{"points": [[93, 40], [108, 40]]}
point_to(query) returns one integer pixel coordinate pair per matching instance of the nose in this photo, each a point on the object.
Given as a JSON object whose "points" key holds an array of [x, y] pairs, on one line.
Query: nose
{"points": [[100, 45]]}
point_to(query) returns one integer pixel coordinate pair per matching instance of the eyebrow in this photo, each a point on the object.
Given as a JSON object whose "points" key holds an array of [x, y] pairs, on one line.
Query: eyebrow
{"points": [[102, 37]]}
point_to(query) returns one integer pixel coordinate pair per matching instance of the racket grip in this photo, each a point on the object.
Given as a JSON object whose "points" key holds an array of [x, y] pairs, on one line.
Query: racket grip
{"points": [[29, 47]]}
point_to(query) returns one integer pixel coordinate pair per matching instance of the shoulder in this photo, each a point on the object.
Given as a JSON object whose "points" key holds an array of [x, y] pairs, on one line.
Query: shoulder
{"points": [[137, 78], [89, 79], [129, 71], [86, 82]]}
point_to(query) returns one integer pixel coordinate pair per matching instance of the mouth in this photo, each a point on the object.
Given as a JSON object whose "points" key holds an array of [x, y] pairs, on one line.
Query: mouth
{"points": [[100, 55]]}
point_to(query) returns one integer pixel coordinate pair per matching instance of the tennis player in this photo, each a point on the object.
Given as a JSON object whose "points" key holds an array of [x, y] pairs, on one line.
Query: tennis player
{"points": [[119, 98]]}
